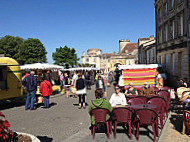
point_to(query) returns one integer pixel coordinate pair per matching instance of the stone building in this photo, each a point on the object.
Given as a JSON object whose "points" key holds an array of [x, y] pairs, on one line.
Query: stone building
{"points": [[106, 62], [171, 38], [147, 50]]}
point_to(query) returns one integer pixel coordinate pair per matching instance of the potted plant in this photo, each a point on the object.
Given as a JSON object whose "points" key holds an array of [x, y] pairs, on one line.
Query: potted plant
{"points": [[7, 135]]}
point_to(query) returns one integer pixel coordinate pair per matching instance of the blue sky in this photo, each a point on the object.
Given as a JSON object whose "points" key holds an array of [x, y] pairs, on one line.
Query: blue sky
{"points": [[79, 24]]}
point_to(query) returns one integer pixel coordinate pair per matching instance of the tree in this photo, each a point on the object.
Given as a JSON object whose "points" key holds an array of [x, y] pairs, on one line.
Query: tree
{"points": [[65, 56], [32, 51], [10, 45]]}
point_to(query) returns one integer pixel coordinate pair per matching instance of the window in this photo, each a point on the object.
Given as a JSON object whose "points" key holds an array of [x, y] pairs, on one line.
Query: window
{"points": [[188, 29], [167, 63], [160, 35], [166, 32], [94, 59], [166, 7], [173, 65], [172, 3], [181, 25], [180, 1], [87, 60], [173, 29], [180, 64], [3, 77], [162, 62]]}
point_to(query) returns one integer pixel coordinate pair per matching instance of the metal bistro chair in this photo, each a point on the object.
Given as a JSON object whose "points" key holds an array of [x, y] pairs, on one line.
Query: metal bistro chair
{"points": [[186, 121], [100, 117], [166, 96], [145, 117], [160, 109], [165, 88], [122, 116], [138, 100]]}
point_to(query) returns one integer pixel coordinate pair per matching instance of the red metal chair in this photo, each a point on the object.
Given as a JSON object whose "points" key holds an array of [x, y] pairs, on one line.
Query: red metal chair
{"points": [[165, 88], [144, 98], [100, 117], [122, 116], [145, 117], [166, 96], [138, 100], [160, 109], [186, 121]]}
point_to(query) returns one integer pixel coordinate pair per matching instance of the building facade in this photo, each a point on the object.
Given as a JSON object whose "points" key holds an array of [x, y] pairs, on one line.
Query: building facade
{"points": [[147, 50], [171, 38], [128, 54]]}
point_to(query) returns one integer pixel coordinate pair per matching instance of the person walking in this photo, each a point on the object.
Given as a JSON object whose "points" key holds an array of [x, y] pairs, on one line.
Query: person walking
{"points": [[30, 83], [73, 83], [87, 80], [67, 85], [100, 84], [81, 91], [46, 90], [62, 81]]}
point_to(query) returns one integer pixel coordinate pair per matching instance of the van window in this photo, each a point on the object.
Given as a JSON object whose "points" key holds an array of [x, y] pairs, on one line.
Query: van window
{"points": [[3, 77]]}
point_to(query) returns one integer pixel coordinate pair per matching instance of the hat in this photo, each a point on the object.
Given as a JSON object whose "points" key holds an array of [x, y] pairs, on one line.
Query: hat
{"points": [[146, 83]]}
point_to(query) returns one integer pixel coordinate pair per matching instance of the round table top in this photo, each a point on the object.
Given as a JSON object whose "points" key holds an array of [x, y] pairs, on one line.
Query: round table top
{"points": [[142, 106]]}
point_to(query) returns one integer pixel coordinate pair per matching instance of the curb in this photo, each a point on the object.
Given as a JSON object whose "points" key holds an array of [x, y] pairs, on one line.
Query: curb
{"points": [[164, 131], [34, 138], [78, 136]]}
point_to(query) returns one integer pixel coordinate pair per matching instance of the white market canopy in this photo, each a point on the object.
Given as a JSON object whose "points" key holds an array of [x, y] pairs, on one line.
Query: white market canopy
{"points": [[138, 66], [42, 66], [80, 68]]}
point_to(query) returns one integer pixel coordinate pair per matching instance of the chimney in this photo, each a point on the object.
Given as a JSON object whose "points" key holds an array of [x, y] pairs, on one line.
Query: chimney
{"points": [[122, 44]]}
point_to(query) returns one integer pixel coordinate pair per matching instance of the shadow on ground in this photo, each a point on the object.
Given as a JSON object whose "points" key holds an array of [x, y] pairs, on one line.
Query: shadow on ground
{"points": [[177, 121], [11, 104], [45, 139]]}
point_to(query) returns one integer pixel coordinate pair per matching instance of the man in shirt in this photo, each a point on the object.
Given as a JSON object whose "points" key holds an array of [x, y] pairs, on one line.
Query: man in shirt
{"points": [[117, 98], [147, 89], [30, 83]]}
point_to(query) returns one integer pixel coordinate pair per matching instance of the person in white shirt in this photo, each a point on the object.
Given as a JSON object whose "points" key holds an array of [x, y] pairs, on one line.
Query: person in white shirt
{"points": [[117, 98], [74, 80]]}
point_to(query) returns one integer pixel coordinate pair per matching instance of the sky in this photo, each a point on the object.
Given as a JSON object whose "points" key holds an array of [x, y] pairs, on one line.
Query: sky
{"points": [[78, 24]]}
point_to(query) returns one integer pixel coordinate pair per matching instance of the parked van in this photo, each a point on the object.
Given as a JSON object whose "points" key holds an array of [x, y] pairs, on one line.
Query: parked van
{"points": [[10, 79]]}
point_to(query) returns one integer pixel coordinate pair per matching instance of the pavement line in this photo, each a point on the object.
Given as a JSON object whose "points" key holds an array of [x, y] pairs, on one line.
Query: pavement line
{"points": [[78, 136]]}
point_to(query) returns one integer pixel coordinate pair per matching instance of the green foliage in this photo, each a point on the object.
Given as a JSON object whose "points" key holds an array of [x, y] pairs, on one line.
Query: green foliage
{"points": [[32, 51], [65, 56], [10, 46], [88, 65], [24, 51]]}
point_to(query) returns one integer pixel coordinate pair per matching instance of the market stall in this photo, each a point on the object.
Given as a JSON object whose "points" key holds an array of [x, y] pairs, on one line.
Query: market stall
{"points": [[41, 69]]}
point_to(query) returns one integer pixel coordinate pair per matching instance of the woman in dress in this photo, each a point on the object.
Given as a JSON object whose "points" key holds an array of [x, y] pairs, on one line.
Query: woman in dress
{"points": [[81, 91]]}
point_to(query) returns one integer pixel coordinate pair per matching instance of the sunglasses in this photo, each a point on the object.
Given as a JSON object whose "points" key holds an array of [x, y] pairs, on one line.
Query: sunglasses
{"points": [[117, 88]]}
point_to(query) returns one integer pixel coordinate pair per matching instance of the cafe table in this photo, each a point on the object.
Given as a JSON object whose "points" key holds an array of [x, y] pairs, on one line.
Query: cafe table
{"points": [[143, 106]]}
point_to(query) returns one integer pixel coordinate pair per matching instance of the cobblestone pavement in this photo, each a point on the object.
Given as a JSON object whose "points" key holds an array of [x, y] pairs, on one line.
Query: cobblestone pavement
{"points": [[173, 133], [64, 122]]}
